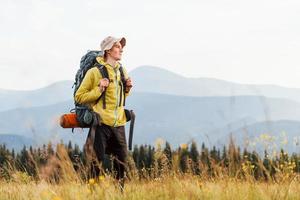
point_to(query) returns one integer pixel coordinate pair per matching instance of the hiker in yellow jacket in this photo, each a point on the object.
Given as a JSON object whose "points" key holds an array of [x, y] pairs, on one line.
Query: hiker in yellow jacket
{"points": [[110, 135]]}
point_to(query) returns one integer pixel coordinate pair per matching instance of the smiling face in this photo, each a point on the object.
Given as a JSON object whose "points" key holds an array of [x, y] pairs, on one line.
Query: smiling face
{"points": [[115, 52]]}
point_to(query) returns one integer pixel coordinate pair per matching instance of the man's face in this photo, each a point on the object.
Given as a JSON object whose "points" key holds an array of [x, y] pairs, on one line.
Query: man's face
{"points": [[116, 51]]}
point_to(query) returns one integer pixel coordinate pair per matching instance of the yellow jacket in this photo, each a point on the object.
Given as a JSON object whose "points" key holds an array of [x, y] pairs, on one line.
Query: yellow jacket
{"points": [[89, 92]]}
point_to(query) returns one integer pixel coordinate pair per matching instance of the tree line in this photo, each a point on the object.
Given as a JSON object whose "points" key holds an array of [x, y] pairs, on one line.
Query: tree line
{"points": [[146, 161]]}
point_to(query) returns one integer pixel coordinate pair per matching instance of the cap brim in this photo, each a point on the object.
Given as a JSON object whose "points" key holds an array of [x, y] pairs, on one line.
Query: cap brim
{"points": [[122, 41]]}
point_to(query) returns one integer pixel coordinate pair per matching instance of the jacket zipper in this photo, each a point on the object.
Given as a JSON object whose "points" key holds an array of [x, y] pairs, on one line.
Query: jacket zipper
{"points": [[117, 96], [121, 91]]}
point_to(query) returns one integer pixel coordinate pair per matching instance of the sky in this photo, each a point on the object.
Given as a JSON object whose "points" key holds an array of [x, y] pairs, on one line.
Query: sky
{"points": [[252, 42]]}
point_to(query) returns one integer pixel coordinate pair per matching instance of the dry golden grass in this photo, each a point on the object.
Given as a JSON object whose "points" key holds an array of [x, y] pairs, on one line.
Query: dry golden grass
{"points": [[161, 183], [167, 187]]}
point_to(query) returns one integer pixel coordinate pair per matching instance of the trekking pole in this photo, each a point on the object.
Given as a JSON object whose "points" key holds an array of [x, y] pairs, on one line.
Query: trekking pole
{"points": [[131, 129]]}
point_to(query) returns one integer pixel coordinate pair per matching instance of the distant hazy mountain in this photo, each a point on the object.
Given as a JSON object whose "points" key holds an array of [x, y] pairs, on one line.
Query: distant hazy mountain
{"points": [[54, 93], [177, 119], [158, 80], [38, 123], [148, 79], [15, 142], [270, 135]]}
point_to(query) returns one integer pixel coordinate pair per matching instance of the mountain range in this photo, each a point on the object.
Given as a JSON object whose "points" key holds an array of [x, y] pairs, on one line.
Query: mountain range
{"points": [[169, 106], [149, 79]]}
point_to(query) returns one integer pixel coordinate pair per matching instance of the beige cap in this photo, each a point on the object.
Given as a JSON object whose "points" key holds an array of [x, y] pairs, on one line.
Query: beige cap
{"points": [[109, 41]]}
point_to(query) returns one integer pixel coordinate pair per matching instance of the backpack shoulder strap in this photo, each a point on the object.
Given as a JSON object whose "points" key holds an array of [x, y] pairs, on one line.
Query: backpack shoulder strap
{"points": [[104, 73], [103, 70], [122, 74], [123, 81]]}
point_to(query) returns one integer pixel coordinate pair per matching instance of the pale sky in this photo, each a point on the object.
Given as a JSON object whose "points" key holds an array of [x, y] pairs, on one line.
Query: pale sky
{"points": [[256, 42]]}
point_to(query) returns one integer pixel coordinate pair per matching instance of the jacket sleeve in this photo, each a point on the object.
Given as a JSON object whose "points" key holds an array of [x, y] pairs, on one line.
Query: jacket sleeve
{"points": [[88, 90], [126, 77]]}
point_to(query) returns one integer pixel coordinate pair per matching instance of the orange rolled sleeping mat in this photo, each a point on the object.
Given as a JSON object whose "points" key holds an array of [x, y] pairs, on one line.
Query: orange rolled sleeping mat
{"points": [[69, 120]]}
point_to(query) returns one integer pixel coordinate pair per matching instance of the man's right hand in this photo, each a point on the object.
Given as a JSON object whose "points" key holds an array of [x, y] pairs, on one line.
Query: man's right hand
{"points": [[103, 84]]}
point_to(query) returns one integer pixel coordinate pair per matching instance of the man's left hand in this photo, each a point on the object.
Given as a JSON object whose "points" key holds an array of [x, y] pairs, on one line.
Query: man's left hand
{"points": [[128, 84]]}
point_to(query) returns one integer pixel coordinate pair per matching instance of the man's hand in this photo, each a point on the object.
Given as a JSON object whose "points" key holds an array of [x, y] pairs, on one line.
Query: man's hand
{"points": [[103, 84], [128, 84]]}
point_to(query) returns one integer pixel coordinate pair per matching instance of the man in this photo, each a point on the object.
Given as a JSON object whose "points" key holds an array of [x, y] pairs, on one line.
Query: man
{"points": [[110, 134]]}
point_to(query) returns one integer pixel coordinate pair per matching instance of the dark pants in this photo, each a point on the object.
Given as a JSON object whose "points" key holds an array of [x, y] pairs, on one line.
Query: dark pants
{"points": [[111, 140]]}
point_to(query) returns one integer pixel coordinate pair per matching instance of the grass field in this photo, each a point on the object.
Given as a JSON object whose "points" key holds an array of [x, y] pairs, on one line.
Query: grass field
{"points": [[168, 187], [159, 182]]}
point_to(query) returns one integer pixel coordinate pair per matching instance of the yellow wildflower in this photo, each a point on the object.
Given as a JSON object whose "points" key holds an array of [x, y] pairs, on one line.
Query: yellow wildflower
{"points": [[92, 181], [101, 178], [184, 146]]}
